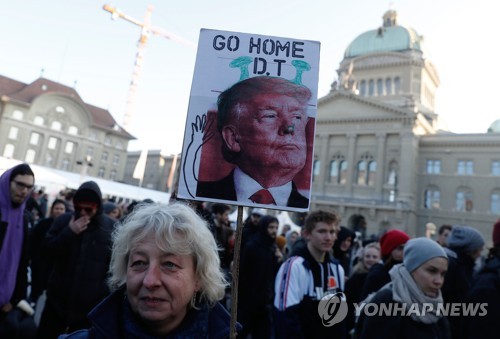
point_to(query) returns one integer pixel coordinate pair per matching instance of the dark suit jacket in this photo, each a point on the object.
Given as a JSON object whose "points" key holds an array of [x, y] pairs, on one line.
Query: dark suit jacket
{"points": [[224, 190]]}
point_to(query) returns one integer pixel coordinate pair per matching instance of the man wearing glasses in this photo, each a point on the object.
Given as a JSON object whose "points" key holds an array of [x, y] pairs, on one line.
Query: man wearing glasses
{"points": [[79, 245], [16, 185]]}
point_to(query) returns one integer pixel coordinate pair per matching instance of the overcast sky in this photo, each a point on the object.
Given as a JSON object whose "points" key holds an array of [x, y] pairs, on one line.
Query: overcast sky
{"points": [[77, 41]]}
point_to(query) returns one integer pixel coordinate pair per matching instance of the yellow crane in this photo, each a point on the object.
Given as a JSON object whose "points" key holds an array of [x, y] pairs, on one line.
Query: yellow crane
{"points": [[146, 30]]}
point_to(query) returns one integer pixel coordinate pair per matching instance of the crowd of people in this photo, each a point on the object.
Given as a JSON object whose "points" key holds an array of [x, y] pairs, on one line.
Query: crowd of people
{"points": [[165, 270]]}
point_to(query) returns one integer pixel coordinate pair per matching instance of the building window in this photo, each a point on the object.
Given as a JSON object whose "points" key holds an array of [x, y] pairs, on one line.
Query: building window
{"points": [[343, 172], [388, 86], [116, 159], [70, 146], [463, 201], [52, 143], [465, 167], [65, 165], [371, 87], [38, 120], [49, 160], [119, 145], [433, 167], [73, 130], [18, 115], [30, 156], [56, 125], [361, 173], [112, 175], [334, 171], [432, 199], [372, 170], [397, 85], [100, 173], [104, 157], [495, 168], [90, 151], [60, 109], [362, 88], [107, 141], [8, 151], [35, 138], [316, 168], [380, 87], [93, 135], [495, 203], [13, 132]]}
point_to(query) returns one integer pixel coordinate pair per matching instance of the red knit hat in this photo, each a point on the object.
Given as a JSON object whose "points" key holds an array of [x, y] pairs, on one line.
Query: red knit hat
{"points": [[392, 239], [496, 234]]}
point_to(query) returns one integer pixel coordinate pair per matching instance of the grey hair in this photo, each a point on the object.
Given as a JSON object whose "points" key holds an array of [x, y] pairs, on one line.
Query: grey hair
{"points": [[178, 230]]}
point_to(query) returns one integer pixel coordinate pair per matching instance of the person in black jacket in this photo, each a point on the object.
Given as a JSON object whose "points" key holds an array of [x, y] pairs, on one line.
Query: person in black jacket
{"points": [[391, 245], [79, 246], [486, 290], [40, 266], [258, 266]]}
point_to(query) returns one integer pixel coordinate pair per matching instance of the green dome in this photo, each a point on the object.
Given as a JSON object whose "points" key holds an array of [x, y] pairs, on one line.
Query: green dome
{"points": [[494, 127], [389, 38]]}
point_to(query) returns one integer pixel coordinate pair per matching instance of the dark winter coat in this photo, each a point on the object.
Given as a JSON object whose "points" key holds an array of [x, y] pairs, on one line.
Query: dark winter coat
{"points": [[81, 262], [378, 276], [486, 289], [397, 327], [113, 318]]}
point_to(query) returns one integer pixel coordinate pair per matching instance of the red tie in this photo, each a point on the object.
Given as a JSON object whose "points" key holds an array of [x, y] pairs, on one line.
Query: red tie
{"points": [[263, 197]]}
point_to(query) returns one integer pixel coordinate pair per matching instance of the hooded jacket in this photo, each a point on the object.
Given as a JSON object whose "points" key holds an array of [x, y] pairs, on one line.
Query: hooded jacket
{"points": [[81, 261], [13, 244]]}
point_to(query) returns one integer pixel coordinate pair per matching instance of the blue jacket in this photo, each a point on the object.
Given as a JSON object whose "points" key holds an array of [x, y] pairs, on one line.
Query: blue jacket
{"points": [[113, 318]]}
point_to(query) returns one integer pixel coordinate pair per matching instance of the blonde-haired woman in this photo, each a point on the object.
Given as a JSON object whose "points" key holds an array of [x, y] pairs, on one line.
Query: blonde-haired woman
{"points": [[166, 276]]}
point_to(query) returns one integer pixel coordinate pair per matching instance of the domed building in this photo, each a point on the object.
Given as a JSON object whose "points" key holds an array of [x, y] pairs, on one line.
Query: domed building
{"points": [[382, 152]]}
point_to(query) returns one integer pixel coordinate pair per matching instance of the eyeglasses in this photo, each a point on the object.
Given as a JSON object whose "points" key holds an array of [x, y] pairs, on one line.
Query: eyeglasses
{"points": [[23, 186]]}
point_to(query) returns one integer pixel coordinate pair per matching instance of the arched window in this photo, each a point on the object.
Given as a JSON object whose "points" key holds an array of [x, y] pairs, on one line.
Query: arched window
{"points": [[495, 202], [371, 87], [388, 86], [343, 172], [397, 85], [112, 175], [432, 198], [18, 115], [361, 173], [30, 156], [334, 171], [56, 125], [362, 88], [316, 168], [463, 200], [372, 171], [73, 130], [38, 120], [8, 151], [380, 87]]}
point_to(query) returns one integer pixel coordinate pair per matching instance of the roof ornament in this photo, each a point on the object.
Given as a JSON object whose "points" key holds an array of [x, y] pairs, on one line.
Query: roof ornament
{"points": [[346, 79]]}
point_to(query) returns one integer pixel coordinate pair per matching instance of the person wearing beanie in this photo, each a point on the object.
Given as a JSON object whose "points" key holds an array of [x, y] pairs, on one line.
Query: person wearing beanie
{"points": [[16, 185], [391, 247], [414, 283], [79, 245], [342, 248], [465, 244], [485, 289]]}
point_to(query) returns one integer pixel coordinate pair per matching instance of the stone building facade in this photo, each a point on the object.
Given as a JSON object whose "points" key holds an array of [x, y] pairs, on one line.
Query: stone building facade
{"points": [[48, 124], [380, 148]]}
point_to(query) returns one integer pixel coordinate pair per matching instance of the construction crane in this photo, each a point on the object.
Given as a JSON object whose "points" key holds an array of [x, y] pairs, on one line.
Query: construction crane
{"points": [[146, 30]]}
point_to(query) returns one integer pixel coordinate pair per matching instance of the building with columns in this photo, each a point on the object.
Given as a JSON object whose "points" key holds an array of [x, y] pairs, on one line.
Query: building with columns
{"points": [[48, 124], [380, 148]]}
